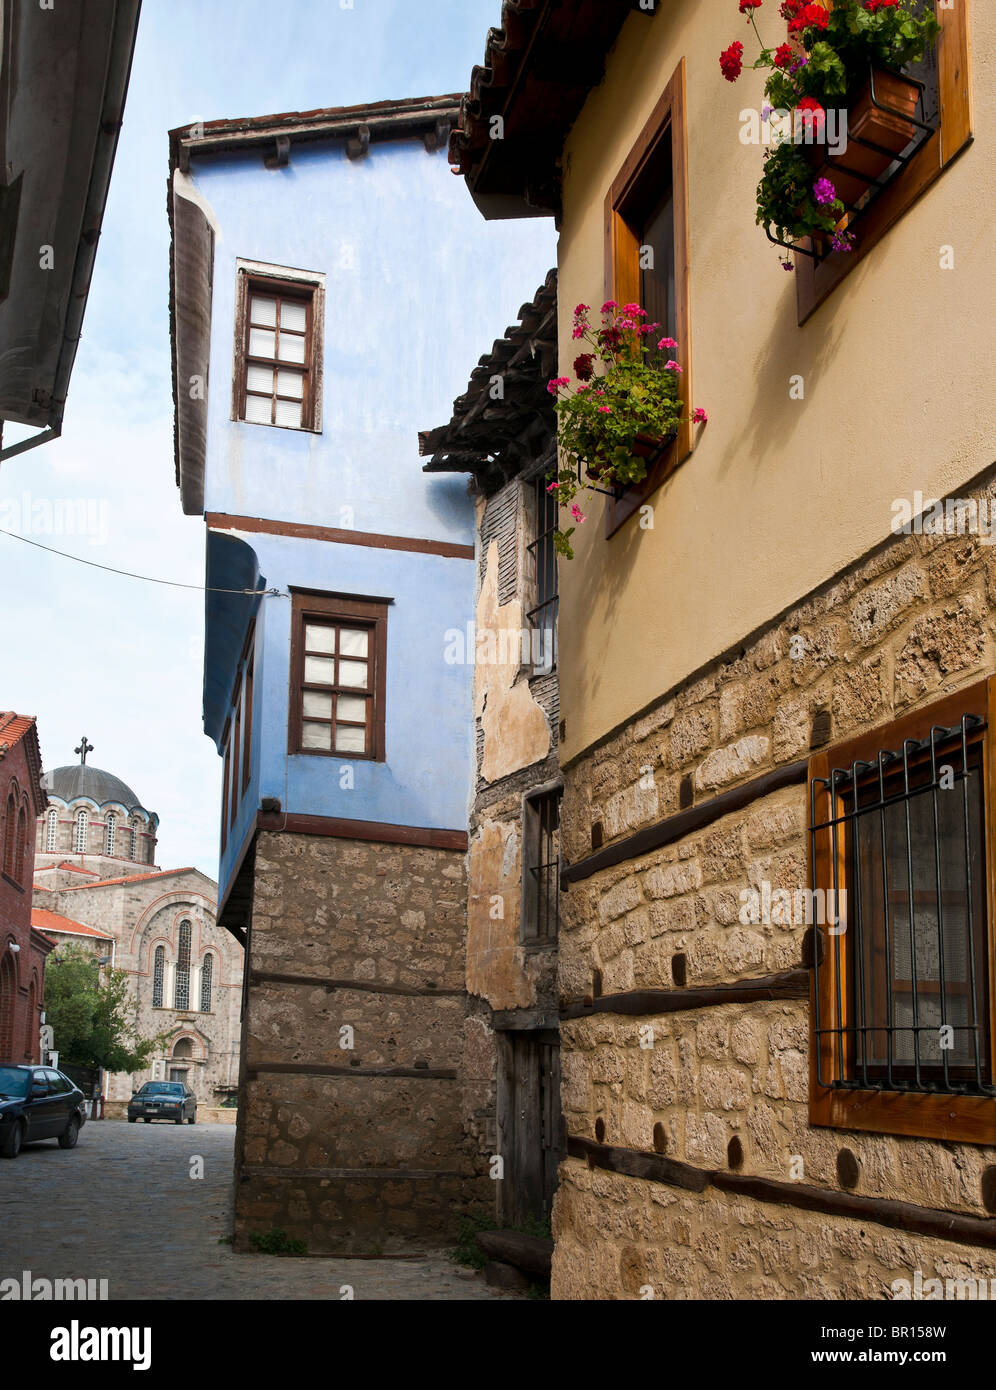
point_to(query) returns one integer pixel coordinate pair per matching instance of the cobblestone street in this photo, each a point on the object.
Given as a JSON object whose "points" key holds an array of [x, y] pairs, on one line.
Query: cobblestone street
{"points": [[122, 1207]]}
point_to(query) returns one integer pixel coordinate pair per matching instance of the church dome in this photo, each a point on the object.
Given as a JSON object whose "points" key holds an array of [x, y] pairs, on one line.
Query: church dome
{"points": [[79, 779]]}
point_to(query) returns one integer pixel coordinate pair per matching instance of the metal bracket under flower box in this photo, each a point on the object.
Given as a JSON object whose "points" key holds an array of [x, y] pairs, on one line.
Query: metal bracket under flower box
{"points": [[646, 447], [856, 210]]}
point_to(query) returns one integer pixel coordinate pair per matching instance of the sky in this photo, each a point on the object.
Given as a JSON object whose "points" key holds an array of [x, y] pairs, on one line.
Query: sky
{"points": [[118, 659]]}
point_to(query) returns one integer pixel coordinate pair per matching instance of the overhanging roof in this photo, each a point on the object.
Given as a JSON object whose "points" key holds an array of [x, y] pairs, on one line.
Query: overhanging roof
{"points": [[538, 70], [63, 84], [496, 436]]}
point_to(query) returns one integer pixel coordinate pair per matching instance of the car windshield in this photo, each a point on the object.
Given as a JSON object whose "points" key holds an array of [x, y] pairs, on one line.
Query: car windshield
{"points": [[161, 1088], [14, 1081]]}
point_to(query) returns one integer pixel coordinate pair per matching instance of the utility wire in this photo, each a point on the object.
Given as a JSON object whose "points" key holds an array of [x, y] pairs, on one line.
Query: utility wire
{"points": [[129, 574]]}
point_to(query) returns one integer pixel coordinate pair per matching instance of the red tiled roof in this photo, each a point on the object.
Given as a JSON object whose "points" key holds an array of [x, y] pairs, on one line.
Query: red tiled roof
{"points": [[13, 728], [130, 878], [44, 920], [71, 868]]}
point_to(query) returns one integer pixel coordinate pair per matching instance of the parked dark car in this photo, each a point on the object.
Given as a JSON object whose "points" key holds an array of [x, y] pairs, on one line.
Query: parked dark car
{"points": [[163, 1100], [38, 1103]]}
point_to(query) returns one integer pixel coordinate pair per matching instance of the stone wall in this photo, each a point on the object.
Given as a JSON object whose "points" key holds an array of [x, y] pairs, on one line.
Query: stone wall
{"points": [[355, 1141], [910, 623]]}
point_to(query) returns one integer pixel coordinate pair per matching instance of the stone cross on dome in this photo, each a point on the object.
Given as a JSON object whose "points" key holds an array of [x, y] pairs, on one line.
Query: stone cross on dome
{"points": [[83, 750]]}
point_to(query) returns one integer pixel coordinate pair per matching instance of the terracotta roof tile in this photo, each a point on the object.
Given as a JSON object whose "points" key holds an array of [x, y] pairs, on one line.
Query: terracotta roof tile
{"points": [[44, 920], [131, 878]]}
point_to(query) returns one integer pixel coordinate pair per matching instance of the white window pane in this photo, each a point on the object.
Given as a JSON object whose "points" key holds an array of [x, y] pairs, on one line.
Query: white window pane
{"points": [[353, 642], [290, 383], [319, 639], [353, 673], [293, 315], [258, 409], [318, 670], [263, 310], [316, 735], [289, 413], [291, 348], [317, 705], [349, 740], [260, 379], [351, 707], [262, 342]]}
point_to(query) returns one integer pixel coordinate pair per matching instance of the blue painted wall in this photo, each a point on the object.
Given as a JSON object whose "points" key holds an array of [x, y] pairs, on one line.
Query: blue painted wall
{"points": [[413, 278]]}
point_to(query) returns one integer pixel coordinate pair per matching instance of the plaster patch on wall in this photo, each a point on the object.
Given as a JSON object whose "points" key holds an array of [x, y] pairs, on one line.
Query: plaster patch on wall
{"points": [[516, 730], [495, 959]]}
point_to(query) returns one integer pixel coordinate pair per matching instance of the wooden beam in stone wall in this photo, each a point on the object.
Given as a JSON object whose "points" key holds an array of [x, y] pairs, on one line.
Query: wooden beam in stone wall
{"points": [[900, 1216], [676, 827], [787, 984], [334, 1069], [331, 983]]}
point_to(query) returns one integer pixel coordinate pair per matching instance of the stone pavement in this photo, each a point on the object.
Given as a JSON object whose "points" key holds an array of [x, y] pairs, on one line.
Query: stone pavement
{"points": [[122, 1206]]}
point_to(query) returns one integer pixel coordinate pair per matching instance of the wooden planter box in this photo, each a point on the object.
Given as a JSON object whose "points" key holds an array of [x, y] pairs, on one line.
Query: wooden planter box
{"points": [[865, 121]]}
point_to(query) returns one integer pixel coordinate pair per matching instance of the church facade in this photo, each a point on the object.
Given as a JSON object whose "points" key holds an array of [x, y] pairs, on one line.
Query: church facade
{"points": [[96, 883]]}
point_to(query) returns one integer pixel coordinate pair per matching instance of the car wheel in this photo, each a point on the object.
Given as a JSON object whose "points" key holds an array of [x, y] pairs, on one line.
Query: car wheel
{"points": [[132, 1119], [146, 1119], [67, 1140], [10, 1146], [179, 1121]]}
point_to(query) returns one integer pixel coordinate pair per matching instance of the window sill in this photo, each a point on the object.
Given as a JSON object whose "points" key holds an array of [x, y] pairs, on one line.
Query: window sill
{"points": [[620, 509], [269, 425], [961, 1119]]}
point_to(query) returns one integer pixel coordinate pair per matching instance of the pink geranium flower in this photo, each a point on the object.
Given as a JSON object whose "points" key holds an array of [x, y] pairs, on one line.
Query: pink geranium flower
{"points": [[666, 343], [577, 513], [671, 367], [699, 417]]}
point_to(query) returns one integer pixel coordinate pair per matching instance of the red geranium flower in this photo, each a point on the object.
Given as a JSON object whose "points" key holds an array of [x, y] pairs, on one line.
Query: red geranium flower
{"points": [[790, 8], [731, 61], [813, 113], [785, 55], [809, 17], [583, 366], [746, 6]]}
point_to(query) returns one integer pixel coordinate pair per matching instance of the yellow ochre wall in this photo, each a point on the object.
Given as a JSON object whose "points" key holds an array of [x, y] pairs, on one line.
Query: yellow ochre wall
{"points": [[779, 494]]}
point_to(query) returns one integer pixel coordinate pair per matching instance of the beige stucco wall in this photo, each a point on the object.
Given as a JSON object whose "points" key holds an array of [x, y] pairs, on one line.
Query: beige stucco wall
{"points": [[779, 494]]}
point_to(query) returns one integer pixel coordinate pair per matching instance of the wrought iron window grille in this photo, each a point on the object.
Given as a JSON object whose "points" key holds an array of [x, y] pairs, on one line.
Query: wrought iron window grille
{"points": [[926, 124], [941, 1043]]}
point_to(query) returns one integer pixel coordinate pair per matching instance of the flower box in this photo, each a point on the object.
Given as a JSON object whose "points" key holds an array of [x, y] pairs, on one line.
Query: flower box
{"points": [[856, 171]]}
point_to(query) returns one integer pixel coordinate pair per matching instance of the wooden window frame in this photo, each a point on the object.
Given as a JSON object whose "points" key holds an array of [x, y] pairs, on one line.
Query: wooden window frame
{"points": [[814, 283], [330, 608], [622, 272], [280, 283], [532, 849], [966, 1119]]}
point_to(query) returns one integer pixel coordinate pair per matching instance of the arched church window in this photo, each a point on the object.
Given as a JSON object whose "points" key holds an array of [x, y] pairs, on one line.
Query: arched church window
{"points": [[184, 1047], [21, 845], [51, 831], [82, 824], [207, 970], [181, 999], [158, 975], [110, 827], [9, 836]]}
